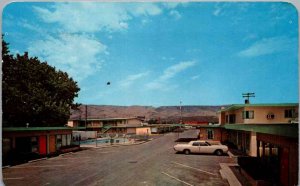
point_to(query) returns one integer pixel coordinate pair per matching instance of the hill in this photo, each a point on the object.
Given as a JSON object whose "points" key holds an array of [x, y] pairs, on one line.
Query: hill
{"points": [[163, 114]]}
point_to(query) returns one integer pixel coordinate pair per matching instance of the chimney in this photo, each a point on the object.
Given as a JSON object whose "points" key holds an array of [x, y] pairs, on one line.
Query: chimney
{"points": [[247, 101]]}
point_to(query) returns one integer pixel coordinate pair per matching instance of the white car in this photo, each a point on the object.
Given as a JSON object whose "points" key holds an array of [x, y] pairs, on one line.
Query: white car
{"points": [[202, 147]]}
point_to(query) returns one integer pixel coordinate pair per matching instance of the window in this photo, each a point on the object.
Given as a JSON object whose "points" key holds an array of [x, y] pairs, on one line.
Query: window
{"points": [[64, 140], [231, 118], [226, 119], [210, 134], [248, 114], [270, 116], [69, 139], [58, 142], [203, 144], [196, 144], [34, 144], [289, 113]]}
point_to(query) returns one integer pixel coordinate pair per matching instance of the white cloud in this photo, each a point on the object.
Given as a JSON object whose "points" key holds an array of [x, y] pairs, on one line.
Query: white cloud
{"points": [[161, 83], [93, 17], [145, 9], [146, 21], [25, 24], [175, 69], [82, 20], [195, 77], [269, 46], [172, 5], [220, 8], [168, 58], [65, 53], [217, 12], [175, 14], [86, 17], [129, 80], [250, 37]]}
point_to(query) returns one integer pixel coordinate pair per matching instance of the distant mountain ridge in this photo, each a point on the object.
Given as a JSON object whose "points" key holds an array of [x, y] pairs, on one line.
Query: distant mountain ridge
{"points": [[162, 113]]}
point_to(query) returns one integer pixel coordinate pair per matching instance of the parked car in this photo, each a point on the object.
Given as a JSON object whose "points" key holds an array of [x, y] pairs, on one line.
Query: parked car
{"points": [[206, 147]]}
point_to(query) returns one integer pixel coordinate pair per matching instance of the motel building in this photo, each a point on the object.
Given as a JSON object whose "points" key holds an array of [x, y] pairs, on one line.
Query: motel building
{"points": [[267, 135], [22, 144], [131, 125]]}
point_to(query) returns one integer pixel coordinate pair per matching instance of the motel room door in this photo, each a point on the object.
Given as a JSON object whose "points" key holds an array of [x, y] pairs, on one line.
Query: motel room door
{"points": [[43, 145], [284, 166]]}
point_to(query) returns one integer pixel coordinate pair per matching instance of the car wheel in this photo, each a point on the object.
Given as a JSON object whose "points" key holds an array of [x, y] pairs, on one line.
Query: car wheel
{"points": [[219, 152], [186, 152]]}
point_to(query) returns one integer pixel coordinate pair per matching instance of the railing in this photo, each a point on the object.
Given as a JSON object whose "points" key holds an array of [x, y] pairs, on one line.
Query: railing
{"points": [[106, 128]]}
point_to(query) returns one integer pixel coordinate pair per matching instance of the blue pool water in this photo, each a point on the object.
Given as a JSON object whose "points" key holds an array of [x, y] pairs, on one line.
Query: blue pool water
{"points": [[105, 140]]}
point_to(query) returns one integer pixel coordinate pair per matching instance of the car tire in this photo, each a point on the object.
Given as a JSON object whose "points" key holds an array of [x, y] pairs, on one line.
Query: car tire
{"points": [[186, 152], [219, 152]]}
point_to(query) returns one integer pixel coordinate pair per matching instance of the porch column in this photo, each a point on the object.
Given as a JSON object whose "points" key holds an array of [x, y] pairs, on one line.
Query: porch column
{"points": [[253, 144]]}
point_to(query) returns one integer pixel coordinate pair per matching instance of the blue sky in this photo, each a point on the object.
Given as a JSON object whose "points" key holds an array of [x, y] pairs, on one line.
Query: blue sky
{"points": [[163, 53]]}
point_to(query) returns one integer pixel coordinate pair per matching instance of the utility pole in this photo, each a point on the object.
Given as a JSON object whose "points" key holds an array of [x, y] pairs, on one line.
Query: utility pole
{"points": [[180, 113], [247, 96], [85, 116]]}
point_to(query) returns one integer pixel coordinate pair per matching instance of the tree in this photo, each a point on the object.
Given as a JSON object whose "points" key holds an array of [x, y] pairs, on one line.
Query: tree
{"points": [[34, 92]]}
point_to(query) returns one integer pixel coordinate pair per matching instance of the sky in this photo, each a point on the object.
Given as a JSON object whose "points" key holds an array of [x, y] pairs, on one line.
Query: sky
{"points": [[160, 54]]}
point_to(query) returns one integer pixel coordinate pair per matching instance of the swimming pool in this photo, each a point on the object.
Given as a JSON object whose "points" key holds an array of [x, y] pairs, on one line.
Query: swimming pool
{"points": [[104, 141]]}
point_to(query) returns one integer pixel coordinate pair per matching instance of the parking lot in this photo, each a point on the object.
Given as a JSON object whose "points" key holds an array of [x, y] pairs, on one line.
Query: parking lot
{"points": [[151, 163]]}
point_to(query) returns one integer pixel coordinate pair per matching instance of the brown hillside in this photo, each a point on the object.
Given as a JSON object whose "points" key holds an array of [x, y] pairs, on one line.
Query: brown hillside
{"points": [[163, 113]]}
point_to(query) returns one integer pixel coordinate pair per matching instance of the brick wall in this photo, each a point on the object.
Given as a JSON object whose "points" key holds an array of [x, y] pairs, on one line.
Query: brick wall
{"points": [[219, 134]]}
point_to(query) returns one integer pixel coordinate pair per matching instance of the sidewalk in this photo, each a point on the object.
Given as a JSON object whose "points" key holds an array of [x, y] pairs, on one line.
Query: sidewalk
{"points": [[227, 172]]}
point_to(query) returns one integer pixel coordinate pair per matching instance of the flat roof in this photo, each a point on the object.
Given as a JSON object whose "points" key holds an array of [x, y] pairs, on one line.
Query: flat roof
{"points": [[287, 130], [102, 119], [138, 126], [109, 127], [238, 106], [177, 125], [210, 126], [8, 129]]}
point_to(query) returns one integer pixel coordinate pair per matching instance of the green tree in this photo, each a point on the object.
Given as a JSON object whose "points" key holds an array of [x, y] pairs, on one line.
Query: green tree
{"points": [[34, 92]]}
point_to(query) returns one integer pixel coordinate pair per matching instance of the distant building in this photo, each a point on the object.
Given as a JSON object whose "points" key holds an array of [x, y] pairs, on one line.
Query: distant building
{"points": [[195, 123], [132, 125], [266, 132]]}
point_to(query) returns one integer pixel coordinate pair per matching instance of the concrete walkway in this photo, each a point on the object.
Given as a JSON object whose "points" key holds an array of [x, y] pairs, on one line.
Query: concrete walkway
{"points": [[226, 173]]}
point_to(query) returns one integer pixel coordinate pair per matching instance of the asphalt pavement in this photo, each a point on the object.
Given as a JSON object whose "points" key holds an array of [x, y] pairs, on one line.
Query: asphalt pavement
{"points": [[151, 163]]}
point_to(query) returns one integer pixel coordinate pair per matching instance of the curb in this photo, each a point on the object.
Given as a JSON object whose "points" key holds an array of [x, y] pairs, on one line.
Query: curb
{"points": [[231, 155], [37, 160], [66, 154], [234, 157]]}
